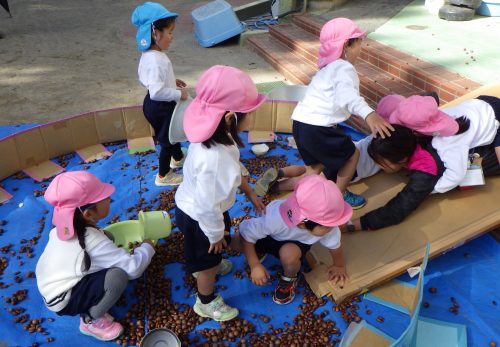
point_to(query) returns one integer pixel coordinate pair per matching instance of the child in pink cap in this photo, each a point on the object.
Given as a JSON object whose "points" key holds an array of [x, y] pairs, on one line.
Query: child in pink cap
{"points": [[212, 175], [436, 164], [331, 98], [155, 32], [81, 271], [289, 228]]}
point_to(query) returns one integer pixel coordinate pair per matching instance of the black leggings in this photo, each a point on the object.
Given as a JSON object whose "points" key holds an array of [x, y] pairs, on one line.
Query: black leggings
{"points": [[166, 153], [491, 166]]}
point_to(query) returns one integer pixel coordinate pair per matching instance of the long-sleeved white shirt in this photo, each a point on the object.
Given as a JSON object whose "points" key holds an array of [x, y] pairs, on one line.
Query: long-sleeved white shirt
{"points": [[454, 150], [60, 266], [157, 75], [332, 96], [211, 179], [272, 224]]}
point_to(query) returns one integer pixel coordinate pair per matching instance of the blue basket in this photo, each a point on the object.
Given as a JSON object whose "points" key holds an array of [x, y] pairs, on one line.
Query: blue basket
{"points": [[215, 22]]}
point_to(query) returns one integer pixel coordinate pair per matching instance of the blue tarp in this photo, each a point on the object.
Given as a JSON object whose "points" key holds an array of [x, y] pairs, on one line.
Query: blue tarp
{"points": [[468, 273]]}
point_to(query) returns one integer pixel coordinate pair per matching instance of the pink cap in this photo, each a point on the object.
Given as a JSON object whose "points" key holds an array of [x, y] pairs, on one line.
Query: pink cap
{"points": [[317, 199], [220, 89], [419, 113], [387, 105], [333, 36], [71, 190]]}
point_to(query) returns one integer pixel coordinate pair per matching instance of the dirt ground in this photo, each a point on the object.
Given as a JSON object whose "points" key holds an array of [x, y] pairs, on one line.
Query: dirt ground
{"points": [[60, 58]]}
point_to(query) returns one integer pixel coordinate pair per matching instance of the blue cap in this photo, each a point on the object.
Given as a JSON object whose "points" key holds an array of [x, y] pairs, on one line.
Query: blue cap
{"points": [[143, 17]]}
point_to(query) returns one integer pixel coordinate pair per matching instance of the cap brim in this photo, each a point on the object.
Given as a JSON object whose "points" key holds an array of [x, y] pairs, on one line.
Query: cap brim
{"points": [[346, 215], [444, 126], [106, 191], [261, 98]]}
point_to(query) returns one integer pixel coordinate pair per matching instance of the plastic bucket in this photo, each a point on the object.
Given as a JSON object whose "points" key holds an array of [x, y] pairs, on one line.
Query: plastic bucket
{"points": [[125, 232], [156, 224], [176, 130]]}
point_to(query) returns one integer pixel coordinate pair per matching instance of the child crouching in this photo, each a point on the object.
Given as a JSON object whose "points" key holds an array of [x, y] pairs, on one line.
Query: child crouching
{"points": [[290, 227], [81, 271]]}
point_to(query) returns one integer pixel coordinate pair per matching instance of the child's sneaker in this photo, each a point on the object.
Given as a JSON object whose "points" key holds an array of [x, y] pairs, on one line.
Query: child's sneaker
{"points": [[266, 181], [104, 328], [175, 164], [216, 310], [285, 291], [356, 201], [170, 179], [225, 267]]}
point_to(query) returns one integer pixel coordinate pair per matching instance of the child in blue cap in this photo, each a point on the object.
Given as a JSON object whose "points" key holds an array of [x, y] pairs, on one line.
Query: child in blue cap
{"points": [[155, 25]]}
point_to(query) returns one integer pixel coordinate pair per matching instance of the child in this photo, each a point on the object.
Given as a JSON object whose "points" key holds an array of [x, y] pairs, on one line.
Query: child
{"points": [[81, 271], [155, 33], [290, 227], [331, 97], [436, 164], [212, 174], [470, 125]]}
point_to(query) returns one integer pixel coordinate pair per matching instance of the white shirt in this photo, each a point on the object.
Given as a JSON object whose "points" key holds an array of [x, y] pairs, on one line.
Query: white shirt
{"points": [[211, 179], [272, 224], [60, 266], [332, 96], [454, 150], [366, 166], [157, 75]]}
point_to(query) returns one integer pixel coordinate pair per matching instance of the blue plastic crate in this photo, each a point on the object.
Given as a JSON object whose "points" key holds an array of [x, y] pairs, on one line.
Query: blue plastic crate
{"points": [[215, 22]]}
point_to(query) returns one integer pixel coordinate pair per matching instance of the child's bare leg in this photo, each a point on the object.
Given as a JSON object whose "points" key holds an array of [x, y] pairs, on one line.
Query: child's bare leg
{"points": [[497, 151], [289, 184], [345, 173], [290, 259], [235, 243], [206, 281], [293, 171]]}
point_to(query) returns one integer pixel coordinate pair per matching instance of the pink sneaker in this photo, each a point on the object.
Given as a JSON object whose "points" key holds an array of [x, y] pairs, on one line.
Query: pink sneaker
{"points": [[104, 328]]}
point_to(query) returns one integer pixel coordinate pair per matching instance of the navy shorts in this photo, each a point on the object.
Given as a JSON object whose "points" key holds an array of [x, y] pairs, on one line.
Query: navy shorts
{"points": [[159, 115], [196, 243], [268, 245], [329, 146], [85, 294]]}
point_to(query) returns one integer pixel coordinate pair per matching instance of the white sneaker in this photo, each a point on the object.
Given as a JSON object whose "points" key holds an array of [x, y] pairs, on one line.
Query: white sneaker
{"points": [[225, 267], [175, 164], [216, 310], [170, 179]]}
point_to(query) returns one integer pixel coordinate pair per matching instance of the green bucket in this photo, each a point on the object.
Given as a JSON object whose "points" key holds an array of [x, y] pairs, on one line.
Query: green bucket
{"points": [[152, 226], [155, 224]]}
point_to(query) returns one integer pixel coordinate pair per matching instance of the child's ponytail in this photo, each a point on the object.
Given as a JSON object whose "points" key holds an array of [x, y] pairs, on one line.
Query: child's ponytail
{"points": [[80, 224]]}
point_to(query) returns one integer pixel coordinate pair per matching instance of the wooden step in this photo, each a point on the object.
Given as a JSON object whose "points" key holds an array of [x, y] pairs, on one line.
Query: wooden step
{"points": [[291, 65], [298, 40]]}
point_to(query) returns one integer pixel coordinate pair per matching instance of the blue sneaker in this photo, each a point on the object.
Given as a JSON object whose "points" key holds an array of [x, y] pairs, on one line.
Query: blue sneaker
{"points": [[356, 201]]}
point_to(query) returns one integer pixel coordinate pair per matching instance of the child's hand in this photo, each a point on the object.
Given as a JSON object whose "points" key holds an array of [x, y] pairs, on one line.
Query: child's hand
{"points": [[184, 94], [259, 275], [337, 274], [258, 205], [378, 125], [218, 247], [180, 83]]}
